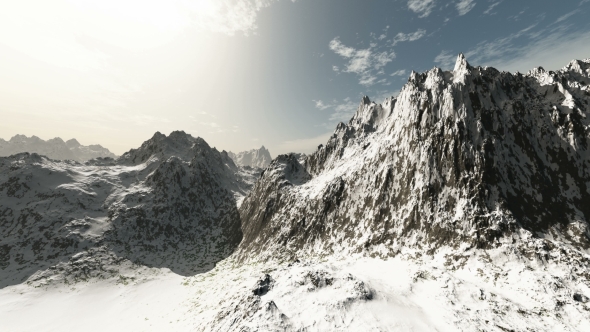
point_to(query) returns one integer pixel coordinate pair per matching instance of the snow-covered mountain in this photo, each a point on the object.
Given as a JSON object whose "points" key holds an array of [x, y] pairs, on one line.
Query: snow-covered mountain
{"points": [[459, 205], [170, 203], [259, 158], [469, 190], [54, 148], [460, 158]]}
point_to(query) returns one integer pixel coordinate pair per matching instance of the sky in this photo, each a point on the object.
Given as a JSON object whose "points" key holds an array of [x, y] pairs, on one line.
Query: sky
{"points": [[246, 73]]}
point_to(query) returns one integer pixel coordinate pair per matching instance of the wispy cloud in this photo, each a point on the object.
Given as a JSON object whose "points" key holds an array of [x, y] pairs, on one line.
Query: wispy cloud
{"points": [[421, 7], [464, 6], [341, 110], [344, 110], [400, 72], [383, 58], [566, 16], [340, 49], [366, 63], [445, 59], [369, 63], [402, 37], [491, 8], [321, 105], [500, 47], [545, 49]]}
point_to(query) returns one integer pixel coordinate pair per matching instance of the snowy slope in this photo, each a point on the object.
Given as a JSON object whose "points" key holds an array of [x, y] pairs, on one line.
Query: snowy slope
{"points": [[170, 203], [54, 148], [258, 158], [355, 294], [398, 294]]}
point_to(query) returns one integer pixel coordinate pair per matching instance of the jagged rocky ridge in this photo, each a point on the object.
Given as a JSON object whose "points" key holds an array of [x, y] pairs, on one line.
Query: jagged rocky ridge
{"points": [[170, 203], [257, 158], [54, 148], [462, 158]]}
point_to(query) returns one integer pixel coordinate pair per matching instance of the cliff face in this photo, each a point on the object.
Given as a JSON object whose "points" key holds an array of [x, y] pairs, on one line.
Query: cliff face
{"points": [[465, 157]]}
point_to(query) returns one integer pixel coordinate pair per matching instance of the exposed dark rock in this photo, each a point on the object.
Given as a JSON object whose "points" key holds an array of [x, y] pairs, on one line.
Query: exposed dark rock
{"points": [[263, 285], [580, 298]]}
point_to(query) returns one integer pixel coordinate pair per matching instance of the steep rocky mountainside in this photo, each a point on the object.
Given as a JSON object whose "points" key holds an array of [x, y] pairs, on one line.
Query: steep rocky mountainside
{"points": [[258, 158], [170, 203], [463, 158], [54, 148]]}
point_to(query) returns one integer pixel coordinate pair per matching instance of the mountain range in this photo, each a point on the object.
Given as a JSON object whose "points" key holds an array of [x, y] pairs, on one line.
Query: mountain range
{"points": [[459, 204], [54, 148]]}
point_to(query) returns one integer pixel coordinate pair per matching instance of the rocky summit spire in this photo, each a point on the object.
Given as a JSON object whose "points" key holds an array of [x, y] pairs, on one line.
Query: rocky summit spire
{"points": [[461, 69]]}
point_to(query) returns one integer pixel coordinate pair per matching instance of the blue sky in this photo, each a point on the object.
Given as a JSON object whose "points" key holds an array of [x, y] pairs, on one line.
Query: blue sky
{"points": [[243, 73]]}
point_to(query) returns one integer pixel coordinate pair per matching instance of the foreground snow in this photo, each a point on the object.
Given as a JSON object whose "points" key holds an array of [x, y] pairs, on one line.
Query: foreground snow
{"points": [[480, 291], [155, 305]]}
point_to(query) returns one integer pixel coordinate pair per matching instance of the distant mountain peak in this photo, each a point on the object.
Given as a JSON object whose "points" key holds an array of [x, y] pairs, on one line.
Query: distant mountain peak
{"points": [[73, 143], [259, 158], [178, 144], [54, 148]]}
